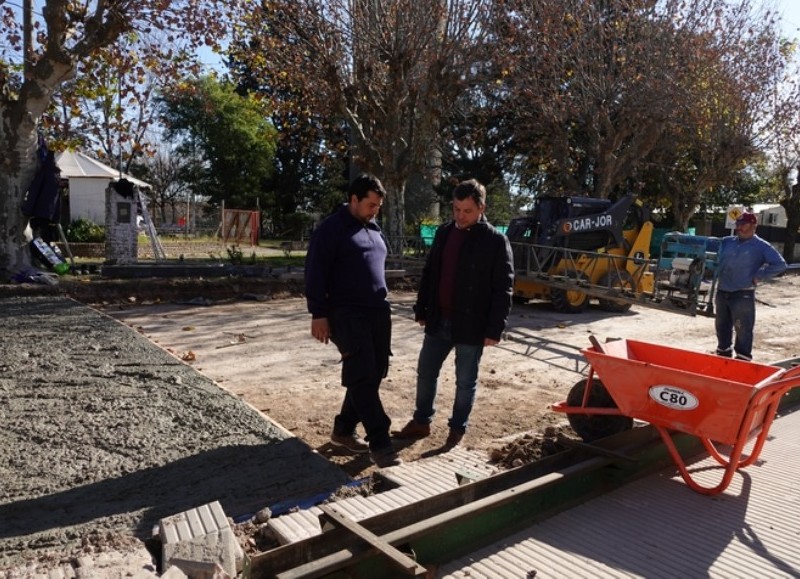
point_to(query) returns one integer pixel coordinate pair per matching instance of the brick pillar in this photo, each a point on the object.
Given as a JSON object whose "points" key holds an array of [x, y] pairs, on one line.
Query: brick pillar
{"points": [[121, 233]]}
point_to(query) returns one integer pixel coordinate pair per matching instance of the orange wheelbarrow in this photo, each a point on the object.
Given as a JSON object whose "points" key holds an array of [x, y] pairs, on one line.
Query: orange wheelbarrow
{"points": [[720, 400]]}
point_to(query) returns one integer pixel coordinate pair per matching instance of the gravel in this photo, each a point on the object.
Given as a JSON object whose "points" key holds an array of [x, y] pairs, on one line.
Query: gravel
{"points": [[104, 433]]}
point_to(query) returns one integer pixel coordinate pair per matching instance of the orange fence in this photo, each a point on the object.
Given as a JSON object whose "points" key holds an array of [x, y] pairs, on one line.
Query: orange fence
{"points": [[239, 225]]}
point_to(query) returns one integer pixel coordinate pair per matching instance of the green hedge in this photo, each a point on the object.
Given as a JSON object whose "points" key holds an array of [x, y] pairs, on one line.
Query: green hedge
{"points": [[85, 231]]}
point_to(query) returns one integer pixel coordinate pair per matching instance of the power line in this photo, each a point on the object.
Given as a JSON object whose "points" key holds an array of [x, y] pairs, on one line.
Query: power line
{"points": [[18, 5]]}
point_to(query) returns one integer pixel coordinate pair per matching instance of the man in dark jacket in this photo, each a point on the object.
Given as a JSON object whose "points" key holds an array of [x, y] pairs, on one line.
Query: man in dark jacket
{"points": [[463, 302], [346, 295]]}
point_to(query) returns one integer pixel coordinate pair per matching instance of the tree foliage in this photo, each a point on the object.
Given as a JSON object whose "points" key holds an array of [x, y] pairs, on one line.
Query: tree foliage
{"points": [[108, 109], [666, 98], [601, 96], [781, 140], [165, 171], [228, 135], [390, 71], [310, 167]]}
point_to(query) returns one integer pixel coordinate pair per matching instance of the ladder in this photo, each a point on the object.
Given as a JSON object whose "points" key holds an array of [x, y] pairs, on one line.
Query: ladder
{"points": [[158, 250]]}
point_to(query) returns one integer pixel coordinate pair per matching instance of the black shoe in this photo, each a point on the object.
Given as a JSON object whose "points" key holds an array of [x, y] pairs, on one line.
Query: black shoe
{"points": [[454, 438], [352, 442], [385, 457]]}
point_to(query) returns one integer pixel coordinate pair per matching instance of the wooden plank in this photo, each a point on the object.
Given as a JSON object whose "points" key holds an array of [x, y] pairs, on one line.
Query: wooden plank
{"points": [[367, 540], [400, 559]]}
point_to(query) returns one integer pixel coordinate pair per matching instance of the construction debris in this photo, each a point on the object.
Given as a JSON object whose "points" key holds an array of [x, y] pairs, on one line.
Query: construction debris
{"points": [[200, 539]]}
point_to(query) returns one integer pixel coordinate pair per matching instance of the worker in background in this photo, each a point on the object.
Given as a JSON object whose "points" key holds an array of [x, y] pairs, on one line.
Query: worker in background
{"points": [[463, 303], [745, 260], [346, 294]]}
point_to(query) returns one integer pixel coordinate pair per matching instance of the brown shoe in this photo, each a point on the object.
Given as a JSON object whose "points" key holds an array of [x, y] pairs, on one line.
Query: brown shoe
{"points": [[414, 429], [352, 442], [454, 438]]}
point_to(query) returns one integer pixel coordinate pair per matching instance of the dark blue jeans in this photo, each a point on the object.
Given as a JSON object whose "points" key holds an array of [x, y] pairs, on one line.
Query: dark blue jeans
{"points": [[735, 311], [435, 349], [363, 337]]}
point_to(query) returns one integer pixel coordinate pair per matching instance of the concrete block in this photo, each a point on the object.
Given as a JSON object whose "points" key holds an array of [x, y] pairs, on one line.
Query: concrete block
{"points": [[200, 535], [195, 570]]}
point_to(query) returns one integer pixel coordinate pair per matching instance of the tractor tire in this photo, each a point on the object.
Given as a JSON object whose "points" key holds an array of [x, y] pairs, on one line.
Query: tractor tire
{"points": [[595, 427], [616, 279], [571, 301]]}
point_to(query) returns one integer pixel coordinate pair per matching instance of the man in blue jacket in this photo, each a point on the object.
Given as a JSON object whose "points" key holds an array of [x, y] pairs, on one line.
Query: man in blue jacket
{"points": [[463, 303], [346, 294], [745, 260]]}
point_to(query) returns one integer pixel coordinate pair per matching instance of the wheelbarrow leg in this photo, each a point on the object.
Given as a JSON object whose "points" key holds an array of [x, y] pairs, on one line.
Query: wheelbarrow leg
{"points": [[735, 456], [727, 476], [587, 390], [773, 401], [768, 407]]}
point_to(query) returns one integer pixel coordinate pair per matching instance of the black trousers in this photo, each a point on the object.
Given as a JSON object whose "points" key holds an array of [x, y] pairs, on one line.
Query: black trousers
{"points": [[363, 337]]}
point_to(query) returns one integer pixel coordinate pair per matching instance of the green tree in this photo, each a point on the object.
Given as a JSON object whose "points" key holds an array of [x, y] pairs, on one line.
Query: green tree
{"points": [[228, 135], [311, 157], [310, 169]]}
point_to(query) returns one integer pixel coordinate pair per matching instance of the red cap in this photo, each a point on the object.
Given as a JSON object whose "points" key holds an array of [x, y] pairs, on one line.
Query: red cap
{"points": [[746, 218]]}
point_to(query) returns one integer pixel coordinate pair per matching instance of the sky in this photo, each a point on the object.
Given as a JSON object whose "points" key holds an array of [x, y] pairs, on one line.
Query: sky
{"points": [[790, 12]]}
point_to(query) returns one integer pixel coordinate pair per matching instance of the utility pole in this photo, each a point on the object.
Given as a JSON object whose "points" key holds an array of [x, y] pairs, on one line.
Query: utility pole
{"points": [[27, 38]]}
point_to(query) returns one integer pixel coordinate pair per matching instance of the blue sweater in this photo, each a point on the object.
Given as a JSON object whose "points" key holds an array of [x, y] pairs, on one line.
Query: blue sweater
{"points": [[345, 265], [742, 262]]}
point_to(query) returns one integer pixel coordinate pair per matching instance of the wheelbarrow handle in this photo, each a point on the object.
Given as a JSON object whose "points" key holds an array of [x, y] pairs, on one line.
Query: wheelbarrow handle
{"points": [[790, 373]]}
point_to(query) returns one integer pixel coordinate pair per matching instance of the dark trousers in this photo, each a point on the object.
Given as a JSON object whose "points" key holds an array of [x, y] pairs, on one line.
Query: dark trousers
{"points": [[735, 311], [363, 337], [436, 346]]}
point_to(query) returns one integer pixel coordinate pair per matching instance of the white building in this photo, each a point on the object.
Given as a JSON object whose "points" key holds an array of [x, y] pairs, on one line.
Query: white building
{"points": [[88, 180], [774, 215]]}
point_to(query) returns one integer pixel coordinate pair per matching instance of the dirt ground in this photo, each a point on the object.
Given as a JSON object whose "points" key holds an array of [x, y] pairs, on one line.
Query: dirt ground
{"points": [[262, 351]]}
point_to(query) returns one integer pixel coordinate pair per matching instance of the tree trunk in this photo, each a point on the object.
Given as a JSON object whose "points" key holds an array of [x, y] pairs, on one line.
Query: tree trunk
{"points": [[18, 154], [434, 177], [18, 163], [792, 224], [791, 204], [395, 213], [683, 218], [683, 206]]}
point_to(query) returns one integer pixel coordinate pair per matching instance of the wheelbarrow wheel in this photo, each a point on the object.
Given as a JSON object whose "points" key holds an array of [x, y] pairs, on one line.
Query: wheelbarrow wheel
{"points": [[594, 427]]}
